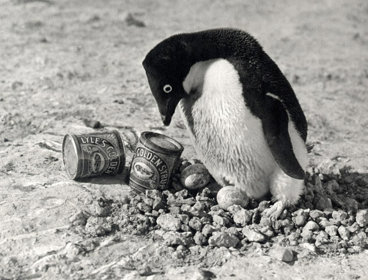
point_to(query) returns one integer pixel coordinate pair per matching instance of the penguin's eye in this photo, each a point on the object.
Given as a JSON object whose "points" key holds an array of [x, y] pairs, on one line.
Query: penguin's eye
{"points": [[167, 88]]}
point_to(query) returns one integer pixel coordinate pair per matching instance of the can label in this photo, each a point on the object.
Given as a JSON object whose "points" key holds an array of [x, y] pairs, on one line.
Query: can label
{"points": [[95, 154], [102, 155], [148, 167]]}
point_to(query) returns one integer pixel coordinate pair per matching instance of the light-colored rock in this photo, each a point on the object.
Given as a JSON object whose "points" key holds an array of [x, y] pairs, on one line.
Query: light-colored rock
{"points": [[223, 239], [282, 254], [242, 217], [228, 196], [344, 232], [253, 235], [362, 217], [177, 238], [169, 222], [208, 229], [311, 225], [331, 230]]}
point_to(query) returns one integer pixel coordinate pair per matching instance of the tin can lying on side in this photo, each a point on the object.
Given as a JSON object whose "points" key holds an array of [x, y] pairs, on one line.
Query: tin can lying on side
{"points": [[156, 157], [94, 154]]}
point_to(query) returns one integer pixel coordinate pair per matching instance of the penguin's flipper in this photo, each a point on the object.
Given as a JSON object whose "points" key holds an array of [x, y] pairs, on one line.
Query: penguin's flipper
{"points": [[275, 122]]}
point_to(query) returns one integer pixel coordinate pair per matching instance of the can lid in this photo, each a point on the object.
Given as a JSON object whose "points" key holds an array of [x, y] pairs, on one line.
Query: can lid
{"points": [[70, 156], [161, 143]]}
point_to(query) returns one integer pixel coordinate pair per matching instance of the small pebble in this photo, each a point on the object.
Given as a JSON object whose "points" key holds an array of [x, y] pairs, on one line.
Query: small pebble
{"points": [[311, 225], [242, 217], [282, 254], [331, 230], [169, 222], [92, 123], [344, 233]]}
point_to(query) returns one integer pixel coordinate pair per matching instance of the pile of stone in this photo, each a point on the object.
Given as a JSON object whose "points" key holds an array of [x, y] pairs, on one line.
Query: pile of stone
{"points": [[323, 221]]}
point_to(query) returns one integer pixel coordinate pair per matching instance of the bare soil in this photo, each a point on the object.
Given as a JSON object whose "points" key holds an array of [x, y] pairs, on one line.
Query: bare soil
{"points": [[65, 61]]}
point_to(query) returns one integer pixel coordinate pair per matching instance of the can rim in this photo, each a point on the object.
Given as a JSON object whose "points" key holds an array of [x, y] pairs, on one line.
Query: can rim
{"points": [[76, 151], [145, 139]]}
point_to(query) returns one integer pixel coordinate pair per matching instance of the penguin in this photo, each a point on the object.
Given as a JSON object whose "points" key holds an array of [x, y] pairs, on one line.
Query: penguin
{"points": [[243, 117]]}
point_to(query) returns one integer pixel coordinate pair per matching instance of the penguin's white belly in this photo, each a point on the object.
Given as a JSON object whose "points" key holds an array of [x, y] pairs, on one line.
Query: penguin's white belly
{"points": [[227, 136]]}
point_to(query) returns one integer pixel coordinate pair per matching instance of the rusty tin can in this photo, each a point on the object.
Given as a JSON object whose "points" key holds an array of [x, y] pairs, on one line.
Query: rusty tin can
{"points": [[94, 154], [156, 157]]}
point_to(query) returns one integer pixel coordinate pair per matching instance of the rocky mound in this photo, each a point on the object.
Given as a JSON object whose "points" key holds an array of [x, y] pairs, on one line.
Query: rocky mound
{"points": [[330, 218]]}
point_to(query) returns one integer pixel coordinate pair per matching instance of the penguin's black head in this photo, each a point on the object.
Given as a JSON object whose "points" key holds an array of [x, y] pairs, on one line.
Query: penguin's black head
{"points": [[166, 66]]}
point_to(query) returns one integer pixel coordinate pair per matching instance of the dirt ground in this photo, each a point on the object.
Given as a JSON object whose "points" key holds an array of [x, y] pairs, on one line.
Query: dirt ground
{"points": [[65, 61]]}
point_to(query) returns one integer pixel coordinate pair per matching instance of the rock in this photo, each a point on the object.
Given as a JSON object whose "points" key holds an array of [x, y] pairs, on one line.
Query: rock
{"points": [[307, 235], [267, 231], [145, 270], [321, 238], [360, 239], [351, 204], [92, 123], [208, 230], [354, 227], [300, 217], [98, 226], [78, 219], [223, 239], [221, 221], [177, 238], [228, 196], [132, 21], [143, 207], [294, 237], [196, 224], [300, 220], [195, 176], [242, 217], [362, 217], [282, 254], [200, 238], [323, 222], [174, 210], [344, 233], [331, 230], [311, 226], [339, 215], [201, 274], [169, 222], [315, 214], [234, 208], [323, 203], [308, 246], [71, 251], [252, 235], [184, 218], [234, 231]]}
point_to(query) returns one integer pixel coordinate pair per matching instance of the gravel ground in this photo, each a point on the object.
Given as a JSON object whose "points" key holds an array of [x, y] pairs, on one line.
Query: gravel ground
{"points": [[63, 62]]}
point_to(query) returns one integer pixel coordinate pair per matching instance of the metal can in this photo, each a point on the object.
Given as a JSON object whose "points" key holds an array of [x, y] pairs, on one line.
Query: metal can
{"points": [[156, 157], [94, 154]]}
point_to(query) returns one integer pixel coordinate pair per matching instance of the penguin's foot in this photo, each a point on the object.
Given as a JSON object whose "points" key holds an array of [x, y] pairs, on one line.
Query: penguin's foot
{"points": [[275, 210]]}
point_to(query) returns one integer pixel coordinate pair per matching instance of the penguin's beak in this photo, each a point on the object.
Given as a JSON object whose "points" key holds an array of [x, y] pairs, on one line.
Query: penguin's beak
{"points": [[166, 102], [167, 108]]}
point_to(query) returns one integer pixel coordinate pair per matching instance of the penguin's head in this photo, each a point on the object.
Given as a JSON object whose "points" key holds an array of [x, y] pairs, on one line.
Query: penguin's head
{"points": [[166, 66]]}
